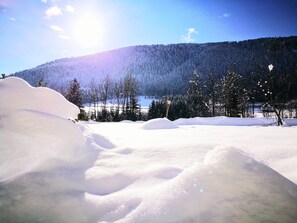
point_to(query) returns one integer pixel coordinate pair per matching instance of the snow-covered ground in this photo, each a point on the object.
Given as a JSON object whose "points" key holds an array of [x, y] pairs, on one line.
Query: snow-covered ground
{"points": [[190, 170]]}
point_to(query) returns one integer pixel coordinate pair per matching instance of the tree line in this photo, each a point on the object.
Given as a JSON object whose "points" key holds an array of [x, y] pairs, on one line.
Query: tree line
{"points": [[124, 92], [231, 96]]}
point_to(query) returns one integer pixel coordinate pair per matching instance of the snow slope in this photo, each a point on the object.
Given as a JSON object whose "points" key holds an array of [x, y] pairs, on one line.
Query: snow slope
{"points": [[17, 94], [54, 170]]}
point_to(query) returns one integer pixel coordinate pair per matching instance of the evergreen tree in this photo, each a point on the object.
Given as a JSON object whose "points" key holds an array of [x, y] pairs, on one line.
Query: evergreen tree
{"points": [[212, 92], [130, 107], [74, 95], [273, 88], [195, 99], [42, 83], [230, 92], [152, 111]]}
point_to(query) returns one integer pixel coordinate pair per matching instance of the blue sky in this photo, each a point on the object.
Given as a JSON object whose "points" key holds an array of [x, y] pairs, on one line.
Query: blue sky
{"points": [[33, 32]]}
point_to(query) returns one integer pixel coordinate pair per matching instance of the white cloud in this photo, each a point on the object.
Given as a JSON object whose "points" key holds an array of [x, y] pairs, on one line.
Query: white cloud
{"points": [[12, 19], [44, 1], [188, 38], [56, 28], [226, 15], [63, 37], [53, 11], [69, 8]]}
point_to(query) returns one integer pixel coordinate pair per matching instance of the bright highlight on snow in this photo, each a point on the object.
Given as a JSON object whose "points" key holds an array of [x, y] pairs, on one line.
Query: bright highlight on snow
{"points": [[55, 170]]}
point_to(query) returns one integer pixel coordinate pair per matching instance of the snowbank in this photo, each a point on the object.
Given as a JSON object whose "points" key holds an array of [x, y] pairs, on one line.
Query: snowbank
{"points": [[43, 156], [159, 123], [16, 94], [225, 121], [35, 129], [229, 186]]}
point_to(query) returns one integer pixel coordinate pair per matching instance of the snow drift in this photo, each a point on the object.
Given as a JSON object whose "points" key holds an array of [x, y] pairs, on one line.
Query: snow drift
{"points": [[159, 123], [17, 94], [50, 170], [43, 156], [229, 186]]}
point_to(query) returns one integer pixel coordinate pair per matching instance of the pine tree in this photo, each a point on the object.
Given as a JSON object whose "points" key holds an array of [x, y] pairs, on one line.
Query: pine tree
{"points": [[196, 102], [230, 92], [273, 92], [74, 93], [212, 92]]}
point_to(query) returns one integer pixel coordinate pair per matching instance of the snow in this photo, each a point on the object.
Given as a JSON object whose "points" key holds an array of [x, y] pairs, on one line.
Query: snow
{"points": [[191, 170], [226, 121], [159, 123], [18, 94]]}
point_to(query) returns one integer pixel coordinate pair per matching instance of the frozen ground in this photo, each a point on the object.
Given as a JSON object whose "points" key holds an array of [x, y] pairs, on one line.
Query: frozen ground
{"points": [[190, 170]]}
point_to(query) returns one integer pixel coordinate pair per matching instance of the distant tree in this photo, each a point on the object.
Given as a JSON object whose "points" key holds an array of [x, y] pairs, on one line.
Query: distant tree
{"points": [[157, 109], [179, 107], [130, 104], [105, 91], [152, 111], [230, 93], [93, 95], [274, 99], [118, 89], [3, 76], [195, 98], [212, 91], [42, 83], [74, 95]]}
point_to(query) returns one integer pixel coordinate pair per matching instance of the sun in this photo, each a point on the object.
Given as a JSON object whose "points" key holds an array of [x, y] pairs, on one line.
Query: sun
{"points": [[88, 31]]}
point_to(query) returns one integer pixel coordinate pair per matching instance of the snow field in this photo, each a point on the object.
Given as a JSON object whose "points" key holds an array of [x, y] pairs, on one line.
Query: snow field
{"points": [[191, 174], [53, 170]]}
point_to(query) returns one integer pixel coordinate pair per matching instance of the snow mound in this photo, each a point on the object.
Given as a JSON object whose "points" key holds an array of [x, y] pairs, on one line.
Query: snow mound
{"points": [[225, 121], [159, 123], [43, 156], [16, 94], [229, 186]]}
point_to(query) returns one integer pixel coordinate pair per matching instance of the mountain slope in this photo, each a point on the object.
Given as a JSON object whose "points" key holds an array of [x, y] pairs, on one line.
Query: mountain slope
{"points": [[164, 69]]}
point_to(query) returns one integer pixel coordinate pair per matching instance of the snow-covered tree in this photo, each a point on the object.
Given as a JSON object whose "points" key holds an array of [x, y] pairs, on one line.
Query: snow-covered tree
{"points": [[273, 103], [195, 99], [212, 91], [230, 93]]}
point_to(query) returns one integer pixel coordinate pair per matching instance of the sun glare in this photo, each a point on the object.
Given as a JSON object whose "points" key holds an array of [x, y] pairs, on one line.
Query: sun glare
{"points": [[88, 31]]}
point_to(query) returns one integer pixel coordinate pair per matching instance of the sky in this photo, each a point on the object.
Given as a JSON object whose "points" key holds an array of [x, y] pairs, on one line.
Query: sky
{"points": [[33, 32]]}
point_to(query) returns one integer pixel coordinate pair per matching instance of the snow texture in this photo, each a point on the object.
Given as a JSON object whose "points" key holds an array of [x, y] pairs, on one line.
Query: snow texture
{"points": [[17, 94], [55, 170], [159, 123], [226, 121]]}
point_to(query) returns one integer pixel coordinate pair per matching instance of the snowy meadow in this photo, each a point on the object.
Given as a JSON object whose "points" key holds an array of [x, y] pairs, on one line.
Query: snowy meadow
{"points": [[53, 169]]}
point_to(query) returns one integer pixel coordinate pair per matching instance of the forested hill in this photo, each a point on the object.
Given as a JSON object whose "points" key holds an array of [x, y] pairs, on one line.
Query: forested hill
{"points": [[166, 69]]}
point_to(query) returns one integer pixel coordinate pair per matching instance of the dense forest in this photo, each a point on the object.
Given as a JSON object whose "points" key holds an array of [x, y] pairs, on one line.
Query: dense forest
{"points": [[166, 69]]}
